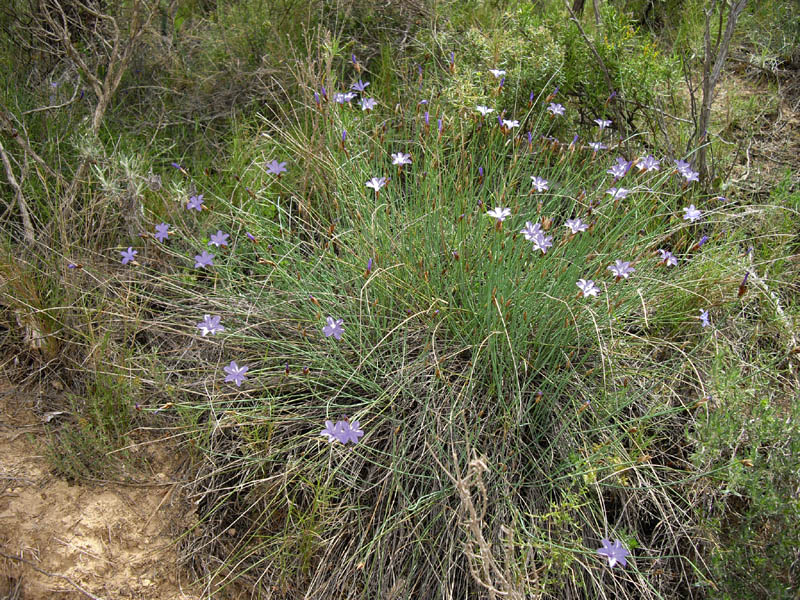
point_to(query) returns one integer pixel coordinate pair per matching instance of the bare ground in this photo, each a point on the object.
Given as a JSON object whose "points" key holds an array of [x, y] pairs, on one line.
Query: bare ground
{"points": [[60, 540]]}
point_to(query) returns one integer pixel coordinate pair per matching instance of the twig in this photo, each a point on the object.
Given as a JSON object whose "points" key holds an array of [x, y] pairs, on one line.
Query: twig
{"points": [[54, 106], [7, 122], [589, 43], [87, 593], [27, 225]]}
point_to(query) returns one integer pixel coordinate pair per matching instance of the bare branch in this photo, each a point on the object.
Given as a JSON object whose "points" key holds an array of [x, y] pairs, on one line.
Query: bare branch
{"points": [[27, 225]]}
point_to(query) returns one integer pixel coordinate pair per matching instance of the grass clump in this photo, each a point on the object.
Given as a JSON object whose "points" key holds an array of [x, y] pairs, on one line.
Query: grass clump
{"points": [[513, 421], [487, 390]]}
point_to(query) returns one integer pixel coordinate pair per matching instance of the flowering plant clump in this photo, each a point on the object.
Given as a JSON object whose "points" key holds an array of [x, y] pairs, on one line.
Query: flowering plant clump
{"points": [[418, 270]]}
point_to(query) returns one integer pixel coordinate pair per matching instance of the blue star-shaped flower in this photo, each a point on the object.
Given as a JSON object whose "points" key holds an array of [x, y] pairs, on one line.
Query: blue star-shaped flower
{"points": [[615, 552]]}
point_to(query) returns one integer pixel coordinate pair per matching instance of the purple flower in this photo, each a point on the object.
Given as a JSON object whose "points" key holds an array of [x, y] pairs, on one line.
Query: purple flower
{"points": [[704, 318], [210, 325], [621, 269], [195, 202], [250, 236], [542, 242], [502, 81], [368, 103], [649, 163], [597, 146], [128, 255], [350, 432], [72, 266], [176, 166], [576, 225], [618, 193], [683, 167], [340, 98], [427, 118], [235, 373], [344, 135], [531, 231], [540, 184], [439, 125], [691, 214], [369, 266], [498, 73], [573, 142], [691, 176], [376, 183], [342, 431], [333, 328], [401, 159], [484, 110], [587, 287], [668, 258], [602, 123], [332, 432], [615, 552], [162, 231], [555, 109], [276, 168], [219, 239], [499, 213], [359, 86], [620, 169], [204, 260]]}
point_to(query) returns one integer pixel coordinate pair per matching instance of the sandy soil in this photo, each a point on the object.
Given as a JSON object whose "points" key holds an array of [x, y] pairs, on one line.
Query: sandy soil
{"points": [[104, 541]]}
